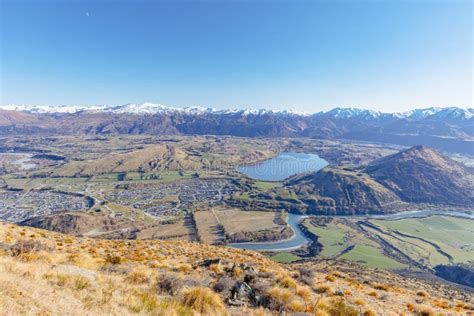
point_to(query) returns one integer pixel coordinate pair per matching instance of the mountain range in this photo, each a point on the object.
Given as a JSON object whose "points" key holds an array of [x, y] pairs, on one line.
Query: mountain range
{"points": [[448, 129]]}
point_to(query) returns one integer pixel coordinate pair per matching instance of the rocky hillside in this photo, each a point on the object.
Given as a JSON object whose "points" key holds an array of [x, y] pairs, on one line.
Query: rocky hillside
{"points": [[42, 272], [422, 175], [414, 176]]}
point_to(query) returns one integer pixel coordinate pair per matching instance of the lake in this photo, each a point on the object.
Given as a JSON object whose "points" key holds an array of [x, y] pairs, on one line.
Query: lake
{"points": [[283, 166]]}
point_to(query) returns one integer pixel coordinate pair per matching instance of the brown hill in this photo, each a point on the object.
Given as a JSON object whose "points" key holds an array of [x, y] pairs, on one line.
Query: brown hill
{"points": [[43, 272], [153, 158], [422, 175], [341, 192]]}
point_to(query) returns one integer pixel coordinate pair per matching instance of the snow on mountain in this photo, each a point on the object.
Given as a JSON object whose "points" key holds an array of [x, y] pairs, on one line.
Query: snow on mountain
{"points": [[49, 109], [345, 113], [433, 113], [420, 113], [143, 108], [453, 113]]}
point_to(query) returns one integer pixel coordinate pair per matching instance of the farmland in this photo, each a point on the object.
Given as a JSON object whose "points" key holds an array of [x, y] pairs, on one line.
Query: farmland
{"points": [[423, 243]]}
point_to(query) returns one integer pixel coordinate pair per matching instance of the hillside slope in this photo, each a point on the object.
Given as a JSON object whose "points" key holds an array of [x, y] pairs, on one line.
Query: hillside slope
{"points": [[408, 179], [422, 175], [90, 276], [339, 191]]}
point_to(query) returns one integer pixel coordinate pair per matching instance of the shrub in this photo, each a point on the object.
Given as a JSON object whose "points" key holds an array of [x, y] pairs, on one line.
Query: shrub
{"points": [[424, 310], [137, 277], [113, 259], [369, 312], [169, 283], [373, 293], [216, 268], [382, 287], [318, 307], [26, 247], [224, 285], [323, 289], [142, 301], [304, 293], [442, 303], [359, 301], [296, 306], [288, 282], [422, 294], [184, 267], [339, 308], [203, 300], [81, 283], [237, 272], [330, 278], [278, 298]]}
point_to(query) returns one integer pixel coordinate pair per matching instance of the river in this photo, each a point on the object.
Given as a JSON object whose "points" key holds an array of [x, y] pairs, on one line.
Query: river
{"points": [[299, 239]]}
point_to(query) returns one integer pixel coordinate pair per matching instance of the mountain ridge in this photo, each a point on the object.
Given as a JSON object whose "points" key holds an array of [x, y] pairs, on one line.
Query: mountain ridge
{"points": [[418, 175], [446, 129], [155, 108]]}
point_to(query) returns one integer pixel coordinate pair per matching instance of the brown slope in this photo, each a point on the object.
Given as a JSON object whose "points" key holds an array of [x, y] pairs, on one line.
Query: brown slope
{"points": [[153, 158], [342, 192], [422, 175]]}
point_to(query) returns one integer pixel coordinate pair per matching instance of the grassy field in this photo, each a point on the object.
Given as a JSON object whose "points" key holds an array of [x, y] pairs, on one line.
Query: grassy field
{"points": [[207, 227], [179, 230], [265, 185], [455, 236], [417, 238], [285, 257], [371, 256], [341, 240], [235, 220]]}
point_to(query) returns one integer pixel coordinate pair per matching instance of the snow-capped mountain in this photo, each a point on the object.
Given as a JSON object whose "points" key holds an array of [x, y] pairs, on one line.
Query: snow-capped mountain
{"points": [[449, 129], [336, 113]]}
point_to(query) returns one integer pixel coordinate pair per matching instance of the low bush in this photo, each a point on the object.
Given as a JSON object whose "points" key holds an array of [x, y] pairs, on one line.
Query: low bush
{"points": [[203, 300], [169, 283]]}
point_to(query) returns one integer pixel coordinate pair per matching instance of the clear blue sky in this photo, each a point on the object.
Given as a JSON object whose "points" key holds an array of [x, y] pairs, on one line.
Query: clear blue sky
{"points": [[304, 55]]}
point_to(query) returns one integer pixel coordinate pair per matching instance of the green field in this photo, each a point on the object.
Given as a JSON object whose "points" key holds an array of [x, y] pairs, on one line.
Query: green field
{"points": [[265, 185], [455, 236], [372, 257], [285, 257], [341, 240], [417, 238]]}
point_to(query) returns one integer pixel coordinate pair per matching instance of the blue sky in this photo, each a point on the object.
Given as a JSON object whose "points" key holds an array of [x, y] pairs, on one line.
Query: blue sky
{"points": [[303, 55]]}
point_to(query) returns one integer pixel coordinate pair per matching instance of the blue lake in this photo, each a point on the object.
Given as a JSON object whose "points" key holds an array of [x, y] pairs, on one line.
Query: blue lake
{"points": [[283, 166]]}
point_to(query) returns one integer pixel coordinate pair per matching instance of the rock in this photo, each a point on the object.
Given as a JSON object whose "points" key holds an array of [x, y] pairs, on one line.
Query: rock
{"points": [[208, 262], [236, 303], [241, 290]]}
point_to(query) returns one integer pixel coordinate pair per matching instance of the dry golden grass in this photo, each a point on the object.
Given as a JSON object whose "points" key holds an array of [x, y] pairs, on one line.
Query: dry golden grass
{"points": [[204, 301], [235, 220], [84, 276]]}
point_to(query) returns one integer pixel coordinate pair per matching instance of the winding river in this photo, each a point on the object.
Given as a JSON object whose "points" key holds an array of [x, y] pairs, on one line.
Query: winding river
{"points": [[298, 240]]}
